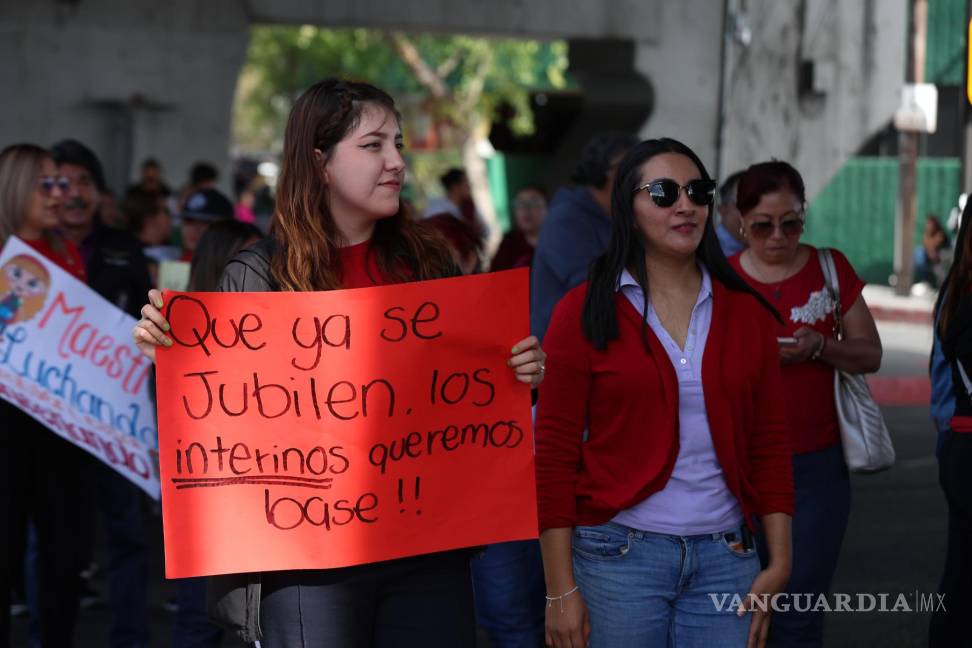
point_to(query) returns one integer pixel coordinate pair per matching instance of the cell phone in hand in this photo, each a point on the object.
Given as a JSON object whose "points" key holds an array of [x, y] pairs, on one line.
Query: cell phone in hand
{"points": [[786, 342]]}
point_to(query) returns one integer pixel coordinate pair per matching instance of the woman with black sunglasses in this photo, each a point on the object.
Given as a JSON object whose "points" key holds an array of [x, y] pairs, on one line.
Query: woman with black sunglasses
{"points": [[661, 430], [771, 199]]}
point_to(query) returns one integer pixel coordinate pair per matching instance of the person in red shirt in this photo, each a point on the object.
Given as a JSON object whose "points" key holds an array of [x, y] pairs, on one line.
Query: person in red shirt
{"points": [[41, 469], [516, 248], [951, 625], [660, 431], [772, 201], [340, 224]]}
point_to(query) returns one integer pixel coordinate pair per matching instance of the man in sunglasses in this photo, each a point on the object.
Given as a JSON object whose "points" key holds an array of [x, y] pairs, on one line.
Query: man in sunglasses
{"points": [[577, 227], [118, 271]]}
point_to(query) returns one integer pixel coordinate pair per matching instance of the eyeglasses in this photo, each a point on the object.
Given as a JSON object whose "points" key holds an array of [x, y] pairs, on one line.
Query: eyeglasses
{"points": [[529, 203], [47, 184], [665, 192], [764, 229]]}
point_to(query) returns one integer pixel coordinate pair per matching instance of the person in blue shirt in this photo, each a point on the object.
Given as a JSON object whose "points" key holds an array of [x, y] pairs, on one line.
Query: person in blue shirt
{"points": [[577, 227], [729, 229], [951, 365]]}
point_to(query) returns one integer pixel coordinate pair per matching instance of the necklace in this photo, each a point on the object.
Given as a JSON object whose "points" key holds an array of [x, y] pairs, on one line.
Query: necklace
{"points": [[776, 288]]}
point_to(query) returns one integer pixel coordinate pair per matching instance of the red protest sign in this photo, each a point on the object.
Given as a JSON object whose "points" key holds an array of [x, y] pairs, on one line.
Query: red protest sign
{"points": [[316, 430]]}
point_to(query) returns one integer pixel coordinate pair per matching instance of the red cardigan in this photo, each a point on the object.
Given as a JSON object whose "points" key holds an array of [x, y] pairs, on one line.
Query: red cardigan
{"points": [[627, 399]]}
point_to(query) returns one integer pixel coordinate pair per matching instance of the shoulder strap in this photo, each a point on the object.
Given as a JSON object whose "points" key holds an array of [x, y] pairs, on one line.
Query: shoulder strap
{"points": [[826, 260], [965, 377]]}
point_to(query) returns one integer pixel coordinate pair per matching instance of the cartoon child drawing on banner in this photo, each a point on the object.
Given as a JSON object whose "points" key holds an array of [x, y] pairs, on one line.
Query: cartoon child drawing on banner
{"points": [[23, 288]]}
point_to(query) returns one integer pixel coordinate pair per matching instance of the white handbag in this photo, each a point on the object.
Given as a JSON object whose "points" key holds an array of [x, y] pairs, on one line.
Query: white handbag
{"points": [[865, 437]]}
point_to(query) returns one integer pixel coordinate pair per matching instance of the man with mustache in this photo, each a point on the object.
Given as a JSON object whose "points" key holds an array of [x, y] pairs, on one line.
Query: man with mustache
{"points": [[118, 271]]}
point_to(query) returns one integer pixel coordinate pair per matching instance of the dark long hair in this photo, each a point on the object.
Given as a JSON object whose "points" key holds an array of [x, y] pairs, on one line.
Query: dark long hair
{"points": [[766, 177], [303, 228], [217, 246], [627, 250], [959, 275]]}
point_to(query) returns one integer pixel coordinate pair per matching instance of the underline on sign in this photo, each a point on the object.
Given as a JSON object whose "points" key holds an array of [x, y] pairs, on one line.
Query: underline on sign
{"points": [[276, 480]]}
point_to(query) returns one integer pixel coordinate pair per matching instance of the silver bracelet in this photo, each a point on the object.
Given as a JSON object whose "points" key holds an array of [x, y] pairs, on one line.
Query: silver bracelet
{"points": [[551, 599], [823, 345]]}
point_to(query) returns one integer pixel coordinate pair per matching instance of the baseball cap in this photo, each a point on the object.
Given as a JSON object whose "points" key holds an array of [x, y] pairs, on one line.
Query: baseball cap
{"points": [[207, 205]]}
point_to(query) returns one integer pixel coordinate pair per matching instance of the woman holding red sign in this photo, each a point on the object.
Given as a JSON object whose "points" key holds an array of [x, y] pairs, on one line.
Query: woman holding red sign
{"points": [[339, 223], [661, 430], [42, 470]]}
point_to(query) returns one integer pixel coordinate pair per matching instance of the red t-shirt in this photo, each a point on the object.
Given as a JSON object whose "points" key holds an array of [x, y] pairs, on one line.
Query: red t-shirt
{"points": [[69, 259], [359, 268], [803, 300]]}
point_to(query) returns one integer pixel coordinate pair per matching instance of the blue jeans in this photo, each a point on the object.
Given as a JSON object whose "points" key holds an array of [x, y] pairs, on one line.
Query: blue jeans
{"points": [[121, 505], [192, 628], [509, 589], [822, 494], [652, 589]]}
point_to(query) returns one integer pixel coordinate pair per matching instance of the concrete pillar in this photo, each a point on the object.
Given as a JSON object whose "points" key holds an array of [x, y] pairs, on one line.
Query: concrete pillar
{"points": [[816, 80], [130, 79], [682, 63], [616, 98]]}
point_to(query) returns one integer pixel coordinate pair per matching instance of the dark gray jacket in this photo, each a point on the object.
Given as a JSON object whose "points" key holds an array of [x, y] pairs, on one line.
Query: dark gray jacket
{"points": [[575, 232], [233, 600]]}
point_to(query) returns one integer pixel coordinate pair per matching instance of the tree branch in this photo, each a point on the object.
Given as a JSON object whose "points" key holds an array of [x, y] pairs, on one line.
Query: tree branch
{"points": [[447, 66], [423, 72], [475, 87]]}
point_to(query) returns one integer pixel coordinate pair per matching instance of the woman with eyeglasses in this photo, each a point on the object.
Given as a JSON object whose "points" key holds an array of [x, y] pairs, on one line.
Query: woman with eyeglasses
{"points": [[661, 430], [771, 199], [41, 469], [516, 248], [32, 196]]}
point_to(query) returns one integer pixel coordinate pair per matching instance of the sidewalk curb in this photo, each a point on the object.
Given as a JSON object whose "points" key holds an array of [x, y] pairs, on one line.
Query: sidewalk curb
{"points": [[900, 390], [900, 315], [886, 306]]}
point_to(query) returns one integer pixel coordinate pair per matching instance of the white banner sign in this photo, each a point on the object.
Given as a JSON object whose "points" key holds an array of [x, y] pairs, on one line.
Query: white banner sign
{"points": [[67, 358]]}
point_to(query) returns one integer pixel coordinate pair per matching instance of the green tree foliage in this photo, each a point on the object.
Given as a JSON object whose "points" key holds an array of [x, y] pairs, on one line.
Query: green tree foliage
{"points": [[465, 78]]}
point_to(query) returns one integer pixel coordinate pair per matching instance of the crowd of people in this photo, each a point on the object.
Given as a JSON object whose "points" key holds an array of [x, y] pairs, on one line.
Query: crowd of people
{"points": [[686, 433]]}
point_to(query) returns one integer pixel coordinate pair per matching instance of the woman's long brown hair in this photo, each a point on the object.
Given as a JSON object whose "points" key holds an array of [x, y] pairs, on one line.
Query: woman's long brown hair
{"points": [[307, 241], [20, 166]]}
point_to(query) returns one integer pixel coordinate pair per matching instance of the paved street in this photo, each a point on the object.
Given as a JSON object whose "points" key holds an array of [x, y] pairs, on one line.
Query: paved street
{"points": [[896, 540], [895, 543]]}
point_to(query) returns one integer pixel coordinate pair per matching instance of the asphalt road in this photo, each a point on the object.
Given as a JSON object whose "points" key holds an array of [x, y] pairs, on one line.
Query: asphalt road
{"points": [[895, 541]]}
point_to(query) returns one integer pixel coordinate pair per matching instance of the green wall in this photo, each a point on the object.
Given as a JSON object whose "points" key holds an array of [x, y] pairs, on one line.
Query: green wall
{"points": [[508, 174], [856, 211], [945, 44]]}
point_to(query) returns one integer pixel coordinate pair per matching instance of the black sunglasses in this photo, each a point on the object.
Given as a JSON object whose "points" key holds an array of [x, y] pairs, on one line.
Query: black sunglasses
{"points": [[665, 192]]}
